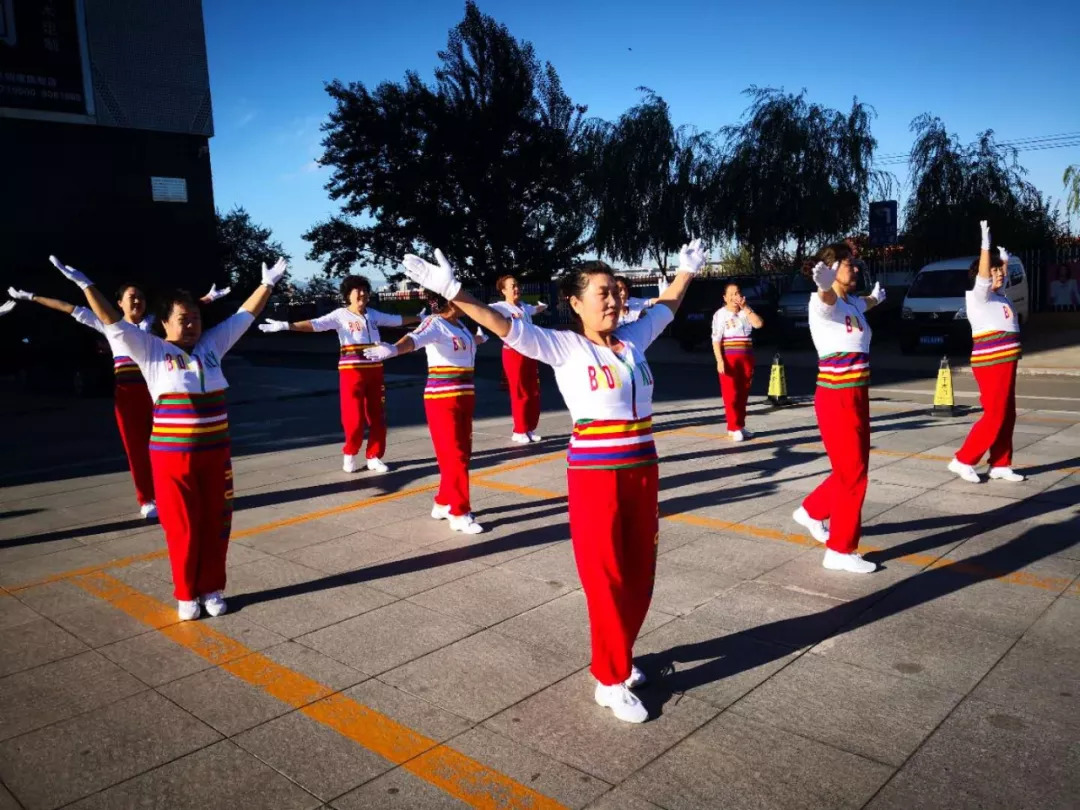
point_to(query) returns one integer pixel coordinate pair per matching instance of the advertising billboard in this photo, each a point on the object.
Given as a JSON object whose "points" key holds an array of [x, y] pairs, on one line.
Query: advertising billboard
{"points": [[41, 56]]}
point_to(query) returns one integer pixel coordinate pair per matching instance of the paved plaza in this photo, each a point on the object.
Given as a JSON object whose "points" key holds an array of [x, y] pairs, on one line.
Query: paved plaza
{"points": [[373, 659]]}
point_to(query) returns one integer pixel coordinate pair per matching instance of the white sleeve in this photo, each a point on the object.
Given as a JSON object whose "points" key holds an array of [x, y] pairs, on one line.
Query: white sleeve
{"points": [[981, 290], [717, 332], [645, 330], [829, 313], [502, 308], [550, 346], [86, 317], [384, 318], [530, 309], [426, 333], [861, 305], [225, 334], [136, 343], [326, 322]]}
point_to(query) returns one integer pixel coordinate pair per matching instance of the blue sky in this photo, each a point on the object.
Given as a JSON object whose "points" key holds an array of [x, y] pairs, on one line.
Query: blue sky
{"points": [[1012, 67]]}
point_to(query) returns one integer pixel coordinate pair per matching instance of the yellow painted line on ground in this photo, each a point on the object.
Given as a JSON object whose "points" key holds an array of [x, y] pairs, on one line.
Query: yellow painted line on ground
{"points": [[122, 562], [462, 777]]}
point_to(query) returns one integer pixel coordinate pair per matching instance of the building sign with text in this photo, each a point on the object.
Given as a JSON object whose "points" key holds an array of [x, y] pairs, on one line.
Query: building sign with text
{"points": [[41, 62]]}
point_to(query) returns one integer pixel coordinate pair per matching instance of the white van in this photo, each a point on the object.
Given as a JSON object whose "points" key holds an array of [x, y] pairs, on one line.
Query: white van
{"points": [[934, 315]]}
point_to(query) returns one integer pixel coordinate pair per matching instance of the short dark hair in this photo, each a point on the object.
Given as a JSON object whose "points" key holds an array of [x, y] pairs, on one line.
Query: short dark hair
{"points": [[500, 282], [350, 283], [574, 284], [435, 302], [995, 261], [729, 284], [618, 279], [168, 300], [123, 288]]}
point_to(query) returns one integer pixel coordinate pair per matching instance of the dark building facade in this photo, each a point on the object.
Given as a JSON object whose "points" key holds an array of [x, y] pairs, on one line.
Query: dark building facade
{"points": [[105, 121]]}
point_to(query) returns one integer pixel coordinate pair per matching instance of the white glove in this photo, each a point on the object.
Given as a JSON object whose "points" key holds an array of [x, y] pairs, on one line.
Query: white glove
{"points": [[6, 307], [481, 338], [1004, 254], [71, 274], [691, 257], [824, 275], [878, 293], [215, 293], [274, 326], [381, 351], [422, 313], [439, 278], [273, 275], [661, 286], [985, 226], [20, 295]]}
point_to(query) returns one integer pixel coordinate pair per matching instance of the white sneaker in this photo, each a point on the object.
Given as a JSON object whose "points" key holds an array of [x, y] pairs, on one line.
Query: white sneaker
{"points": [[737, 435], [349, 464], [376, 465], [815, 527], [853, 562], [215, 603], [188, 610], [637, 678], [965, 471], [440, 512], [622, 702], [148, 510], [1006, 474], [534, 437], [520, 438], [465, 524]]}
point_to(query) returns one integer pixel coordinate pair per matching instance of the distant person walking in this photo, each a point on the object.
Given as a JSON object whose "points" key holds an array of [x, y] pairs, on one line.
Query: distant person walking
{"points": [[733, 346]]}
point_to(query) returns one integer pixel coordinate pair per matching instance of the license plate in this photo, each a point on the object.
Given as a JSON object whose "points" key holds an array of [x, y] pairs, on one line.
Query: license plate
{"points": [[802, 324], [932, 340]]}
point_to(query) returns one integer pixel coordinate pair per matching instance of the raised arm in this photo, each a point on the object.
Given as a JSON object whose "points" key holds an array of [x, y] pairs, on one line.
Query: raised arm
{"points": [[824, 276], [256, 302], [440, 278], [270, 325], [876, 296], [49, 303], [215, 294], [691, 260], [102, 307]]}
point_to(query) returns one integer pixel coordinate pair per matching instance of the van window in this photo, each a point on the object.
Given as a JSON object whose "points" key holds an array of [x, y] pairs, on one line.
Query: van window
{"points": [[1016, 275], [940, 284]]}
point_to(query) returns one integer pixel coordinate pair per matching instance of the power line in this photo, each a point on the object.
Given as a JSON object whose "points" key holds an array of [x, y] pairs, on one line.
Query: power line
{"points": [[1033, 144]]}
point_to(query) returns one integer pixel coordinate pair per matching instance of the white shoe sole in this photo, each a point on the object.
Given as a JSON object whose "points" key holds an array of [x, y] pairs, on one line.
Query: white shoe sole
{"points": [[798, 519], [971, 477], [637, 718]]}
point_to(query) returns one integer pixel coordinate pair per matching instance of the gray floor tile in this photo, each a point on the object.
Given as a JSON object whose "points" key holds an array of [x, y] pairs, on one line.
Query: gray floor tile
{"points": [[735, 556], [734, 762], [223, 702], [1036, 679], [14, 612], [100, 624], [153, 658], [490, 596], [47, 694], [70, 760], [33, 643], [222, 776], [1060, 625], [679, 589], [416, 714], [398, 790], [314, 665]]}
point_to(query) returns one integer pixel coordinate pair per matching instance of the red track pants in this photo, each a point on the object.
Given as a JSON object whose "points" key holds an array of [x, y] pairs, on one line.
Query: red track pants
{"points": [[135, 417], [614, 528], [363, 397], [735, 388], [843, 415], [194, 500], [450, 422], [523, 381], [994, 431]]}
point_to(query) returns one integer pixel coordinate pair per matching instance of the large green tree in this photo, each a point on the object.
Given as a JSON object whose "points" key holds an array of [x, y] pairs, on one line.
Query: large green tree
{"points": [[649, 182], [794, 171], [954, 185], [484, 164], [243, 246]]}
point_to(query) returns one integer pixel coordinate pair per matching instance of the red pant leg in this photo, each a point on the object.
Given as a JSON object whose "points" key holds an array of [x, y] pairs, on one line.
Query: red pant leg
{"points": [[514, 368], [638, 510], [613, 523], [844, 418], [214, 472], [450, 423], [727, 394], [375, 411], [1001, 449], [177, 488], [351, 383], [996, 391], [735, 388], [134, 417], [745, 377], [530, 379]]}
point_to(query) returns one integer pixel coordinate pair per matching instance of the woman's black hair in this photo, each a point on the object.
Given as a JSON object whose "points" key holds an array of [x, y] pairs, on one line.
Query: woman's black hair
{"points": [[123, 288], [168, 299], [995, 261], [574, 284], [350, 283], [435, 302]]}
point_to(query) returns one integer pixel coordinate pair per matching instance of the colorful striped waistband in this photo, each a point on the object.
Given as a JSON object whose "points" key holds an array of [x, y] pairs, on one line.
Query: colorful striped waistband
{"points": [[449, 381], [991, 348], [844, 370], [188, 422], [737, 345], [352, 356], [611, 444], [127, 371]]}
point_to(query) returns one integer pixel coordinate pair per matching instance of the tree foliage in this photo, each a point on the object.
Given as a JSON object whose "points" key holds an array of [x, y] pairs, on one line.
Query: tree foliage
{"points": [[649, 182], [1071, 179], [795, 171], [243, 246], [955, 185], [484, 163]]}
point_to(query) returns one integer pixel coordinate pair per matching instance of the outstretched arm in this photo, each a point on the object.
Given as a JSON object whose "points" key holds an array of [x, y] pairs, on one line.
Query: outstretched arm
{"points": [[102, 307], [49, 303], [691, 260], [256, 302]]}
